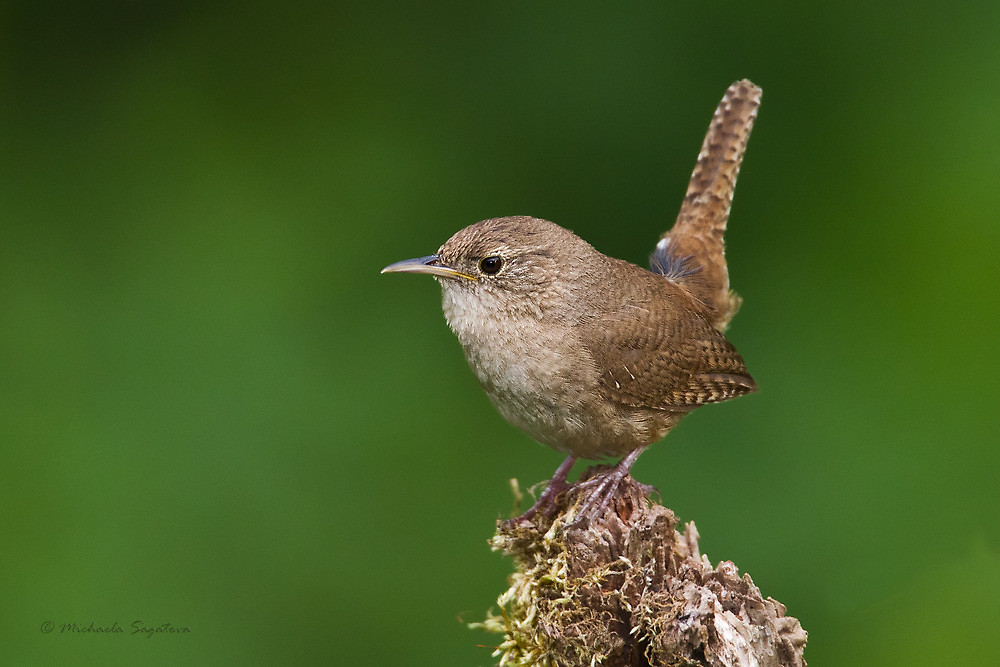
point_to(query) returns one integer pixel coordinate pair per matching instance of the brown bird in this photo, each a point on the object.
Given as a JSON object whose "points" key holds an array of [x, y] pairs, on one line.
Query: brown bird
{"points": [[592, 355]]}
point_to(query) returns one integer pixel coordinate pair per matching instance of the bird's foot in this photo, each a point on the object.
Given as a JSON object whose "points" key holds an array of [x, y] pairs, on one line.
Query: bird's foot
{"points": [[604, 487], [545, 504]]}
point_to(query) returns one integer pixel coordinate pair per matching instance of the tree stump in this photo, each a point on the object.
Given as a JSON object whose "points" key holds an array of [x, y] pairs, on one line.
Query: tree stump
{"points": [[629, 589]]}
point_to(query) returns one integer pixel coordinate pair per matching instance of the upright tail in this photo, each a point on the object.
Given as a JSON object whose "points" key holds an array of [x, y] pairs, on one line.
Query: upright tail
{"points": [[693, 252]]}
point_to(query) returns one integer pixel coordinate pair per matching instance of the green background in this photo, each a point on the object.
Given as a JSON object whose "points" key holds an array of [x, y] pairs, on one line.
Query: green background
{"points": [[215, 412]]}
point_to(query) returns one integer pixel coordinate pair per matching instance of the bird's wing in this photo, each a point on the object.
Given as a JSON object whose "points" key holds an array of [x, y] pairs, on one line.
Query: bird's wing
{"points": [[665, 363]]}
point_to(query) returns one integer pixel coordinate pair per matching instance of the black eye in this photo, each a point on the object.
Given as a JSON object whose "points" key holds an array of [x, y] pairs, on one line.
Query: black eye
{"points": [[491, 265]]}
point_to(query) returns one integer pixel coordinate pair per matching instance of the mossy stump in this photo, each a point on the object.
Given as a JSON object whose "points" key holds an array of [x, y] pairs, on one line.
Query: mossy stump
{"points": [[629, 589]]}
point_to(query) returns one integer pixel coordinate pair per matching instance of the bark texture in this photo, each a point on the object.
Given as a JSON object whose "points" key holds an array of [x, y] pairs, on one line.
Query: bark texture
{"points": [[629, 589]]}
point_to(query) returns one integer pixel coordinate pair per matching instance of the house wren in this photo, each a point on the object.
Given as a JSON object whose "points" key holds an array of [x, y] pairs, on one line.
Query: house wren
{"points": [[592, 355]]}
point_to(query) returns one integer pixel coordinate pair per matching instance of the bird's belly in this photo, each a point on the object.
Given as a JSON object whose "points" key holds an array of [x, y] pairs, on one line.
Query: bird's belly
{"points": [[556, 401]]}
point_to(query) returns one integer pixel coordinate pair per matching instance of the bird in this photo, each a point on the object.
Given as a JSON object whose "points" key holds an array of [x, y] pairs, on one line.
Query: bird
{"points": [[591, 355]]}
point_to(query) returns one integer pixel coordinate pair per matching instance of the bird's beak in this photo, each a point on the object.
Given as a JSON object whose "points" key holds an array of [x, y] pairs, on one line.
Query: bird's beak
{"points": [[429, 264]]}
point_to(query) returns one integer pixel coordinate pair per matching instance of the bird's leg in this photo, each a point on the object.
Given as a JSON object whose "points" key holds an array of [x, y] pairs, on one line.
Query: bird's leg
{"points": [[606, 485], [545, 503]]}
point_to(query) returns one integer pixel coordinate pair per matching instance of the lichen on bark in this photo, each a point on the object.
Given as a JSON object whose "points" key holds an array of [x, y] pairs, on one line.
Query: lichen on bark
{"points": [[627, 588]]}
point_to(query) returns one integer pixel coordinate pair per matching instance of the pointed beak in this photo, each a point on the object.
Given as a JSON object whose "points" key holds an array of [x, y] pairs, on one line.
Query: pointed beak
{"points": [[429, 264]]}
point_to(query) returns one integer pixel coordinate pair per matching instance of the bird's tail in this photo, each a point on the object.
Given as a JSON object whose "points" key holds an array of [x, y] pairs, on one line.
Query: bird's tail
{"points": [[693, 252]]}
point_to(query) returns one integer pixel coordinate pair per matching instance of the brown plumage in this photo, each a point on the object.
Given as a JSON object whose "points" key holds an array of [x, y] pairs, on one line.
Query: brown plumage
{"points": [[592, 355], [701, 224]]}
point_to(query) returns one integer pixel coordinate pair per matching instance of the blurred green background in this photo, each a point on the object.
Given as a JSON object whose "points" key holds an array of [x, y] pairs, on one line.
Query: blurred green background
{"points": [[217, 414]]}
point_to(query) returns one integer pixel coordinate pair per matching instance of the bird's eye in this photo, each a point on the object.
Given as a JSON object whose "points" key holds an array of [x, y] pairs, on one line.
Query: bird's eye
{"points": [[491, 265]]}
